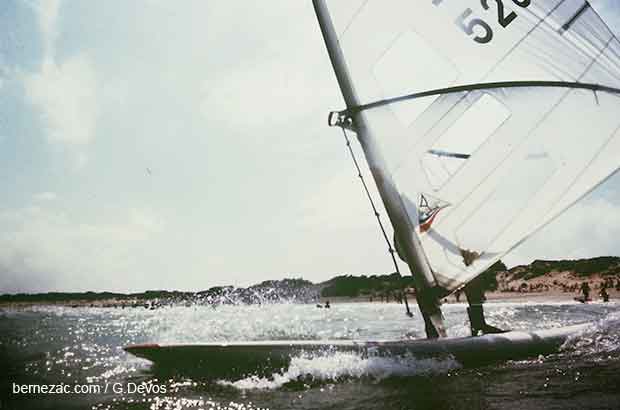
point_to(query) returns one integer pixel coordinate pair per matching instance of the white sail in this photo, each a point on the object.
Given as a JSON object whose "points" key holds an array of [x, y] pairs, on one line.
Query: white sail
{"points": [[492, 117]]}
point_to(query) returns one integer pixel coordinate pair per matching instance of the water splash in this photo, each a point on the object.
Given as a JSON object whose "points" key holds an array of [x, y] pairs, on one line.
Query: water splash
{"points": [[165, 403], [600, 339], [338, 366]]}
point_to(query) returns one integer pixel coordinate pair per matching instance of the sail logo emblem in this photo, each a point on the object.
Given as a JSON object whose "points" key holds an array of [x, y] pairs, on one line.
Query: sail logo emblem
{"points": [[427, 210]]}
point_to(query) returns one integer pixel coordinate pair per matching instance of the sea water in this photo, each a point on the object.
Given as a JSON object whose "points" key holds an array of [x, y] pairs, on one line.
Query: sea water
{"points": [[82, 348]]}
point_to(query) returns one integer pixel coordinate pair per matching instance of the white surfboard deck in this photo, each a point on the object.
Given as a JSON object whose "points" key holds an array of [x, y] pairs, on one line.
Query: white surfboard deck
{"points": [[243, 358]]}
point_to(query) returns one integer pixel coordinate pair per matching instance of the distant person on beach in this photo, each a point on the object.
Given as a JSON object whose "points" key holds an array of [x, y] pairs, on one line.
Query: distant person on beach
{"points": [[585, 290], [603, 293]]}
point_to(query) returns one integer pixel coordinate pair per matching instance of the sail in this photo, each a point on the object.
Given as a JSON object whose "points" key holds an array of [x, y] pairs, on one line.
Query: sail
{"points": [[492, 117]]}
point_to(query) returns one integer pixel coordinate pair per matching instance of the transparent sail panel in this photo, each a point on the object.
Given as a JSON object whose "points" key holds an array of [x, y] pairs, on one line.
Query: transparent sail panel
{"points": [[458, 143], [482, 167]]}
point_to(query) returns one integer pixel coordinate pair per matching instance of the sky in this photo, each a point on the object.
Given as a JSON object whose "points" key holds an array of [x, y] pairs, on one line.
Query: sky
{"points": [[156, 145]]}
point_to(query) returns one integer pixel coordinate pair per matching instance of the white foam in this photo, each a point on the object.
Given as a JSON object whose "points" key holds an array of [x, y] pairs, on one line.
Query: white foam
{"points": [[602, 337], [337, 366]]}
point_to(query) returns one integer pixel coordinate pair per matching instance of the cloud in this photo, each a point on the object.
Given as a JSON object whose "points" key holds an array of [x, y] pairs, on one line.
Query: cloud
{"points": [[271, 80], [66, 93], [270, 94], [40, 243], [48, 16], [67, 96]]}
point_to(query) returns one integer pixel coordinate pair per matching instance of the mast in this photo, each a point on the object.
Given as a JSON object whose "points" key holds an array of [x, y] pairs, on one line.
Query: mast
{"points": [[404, 231]]}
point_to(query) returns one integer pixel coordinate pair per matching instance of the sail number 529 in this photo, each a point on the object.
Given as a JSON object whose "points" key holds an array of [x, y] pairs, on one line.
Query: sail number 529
{"points": [[478, 28]]}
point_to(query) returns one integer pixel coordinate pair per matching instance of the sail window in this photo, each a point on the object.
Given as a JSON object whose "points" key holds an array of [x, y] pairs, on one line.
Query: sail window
{"points": [[463, 138], [412, 60]]}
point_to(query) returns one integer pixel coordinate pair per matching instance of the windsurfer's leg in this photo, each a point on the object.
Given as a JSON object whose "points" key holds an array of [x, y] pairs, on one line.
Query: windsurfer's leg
{"points": [[475, 311]]}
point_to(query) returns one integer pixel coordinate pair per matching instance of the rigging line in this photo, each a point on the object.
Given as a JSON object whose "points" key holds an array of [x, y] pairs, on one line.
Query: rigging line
{"points": [[372, 202]]}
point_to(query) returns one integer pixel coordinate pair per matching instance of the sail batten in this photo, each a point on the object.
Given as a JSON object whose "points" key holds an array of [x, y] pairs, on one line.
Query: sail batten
{"points": [[566, 26]]}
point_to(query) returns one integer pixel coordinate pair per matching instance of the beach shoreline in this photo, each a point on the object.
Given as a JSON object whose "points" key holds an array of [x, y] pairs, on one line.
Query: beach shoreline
{"points": [[491, 297]]}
